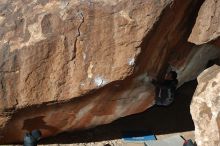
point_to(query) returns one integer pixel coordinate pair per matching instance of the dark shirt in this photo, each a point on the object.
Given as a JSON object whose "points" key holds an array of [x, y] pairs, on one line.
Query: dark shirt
{"points": [[166, 91]]}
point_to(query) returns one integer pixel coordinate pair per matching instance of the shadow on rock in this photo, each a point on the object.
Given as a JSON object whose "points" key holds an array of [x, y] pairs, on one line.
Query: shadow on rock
{"points": [[159, 120]]}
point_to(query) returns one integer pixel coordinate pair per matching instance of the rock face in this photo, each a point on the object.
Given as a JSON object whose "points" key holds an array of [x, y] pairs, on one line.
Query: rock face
{"points": [[206, 101], [207, 27], [53, 51], [70, 65], [205, 104], [195, 62], [205, 108]]}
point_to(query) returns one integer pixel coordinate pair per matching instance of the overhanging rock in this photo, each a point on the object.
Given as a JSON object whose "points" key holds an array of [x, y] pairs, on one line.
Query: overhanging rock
{"points": [[72, 65]]}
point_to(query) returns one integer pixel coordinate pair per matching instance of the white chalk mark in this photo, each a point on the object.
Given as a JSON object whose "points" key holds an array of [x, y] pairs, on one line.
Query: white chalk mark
{"points": [[99, 81], [131, 61]]}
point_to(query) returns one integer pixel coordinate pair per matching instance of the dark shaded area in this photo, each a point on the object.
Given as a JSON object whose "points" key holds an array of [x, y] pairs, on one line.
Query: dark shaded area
{"points": [[159, 120], [213, 62], [179, 30], [31, 124]]}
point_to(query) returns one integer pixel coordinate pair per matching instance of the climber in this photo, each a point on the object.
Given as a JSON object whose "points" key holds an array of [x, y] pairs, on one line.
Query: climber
{"points": [[32, 139], [166, 89]]}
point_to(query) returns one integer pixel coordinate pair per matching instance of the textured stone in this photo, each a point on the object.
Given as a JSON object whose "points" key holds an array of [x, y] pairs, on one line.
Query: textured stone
{"points": [[207, 27], [205, 108], [71, 65], [193, 63], [61, 50]]}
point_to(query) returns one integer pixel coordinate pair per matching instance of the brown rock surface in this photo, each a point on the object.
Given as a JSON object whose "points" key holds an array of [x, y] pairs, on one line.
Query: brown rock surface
{"points": [[70, 65], [205, 108], [207, 27]]}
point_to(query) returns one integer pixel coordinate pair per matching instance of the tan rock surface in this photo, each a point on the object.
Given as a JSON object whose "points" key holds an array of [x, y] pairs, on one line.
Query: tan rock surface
{"points": [[205, 108], [207, 27], [70, 65]]}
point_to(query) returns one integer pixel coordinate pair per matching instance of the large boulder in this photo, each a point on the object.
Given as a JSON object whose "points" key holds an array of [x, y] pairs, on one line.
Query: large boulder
{"points": [[207, 27], [71, 65], [205, 108]]}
